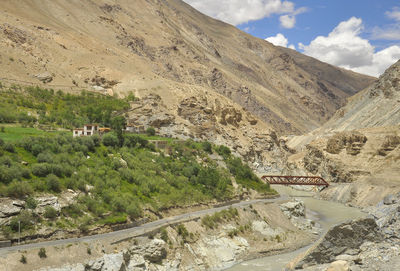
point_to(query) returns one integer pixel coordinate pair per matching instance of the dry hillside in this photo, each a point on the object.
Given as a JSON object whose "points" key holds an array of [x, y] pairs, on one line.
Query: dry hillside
{"points": [[169, 49], [359, 148]]}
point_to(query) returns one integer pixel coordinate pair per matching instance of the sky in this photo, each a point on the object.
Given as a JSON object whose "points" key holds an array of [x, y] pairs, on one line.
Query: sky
{"points": [[360, 35]]}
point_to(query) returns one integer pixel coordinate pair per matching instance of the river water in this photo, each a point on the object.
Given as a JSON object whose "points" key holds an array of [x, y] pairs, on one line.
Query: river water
{"points": [[325, 213]]}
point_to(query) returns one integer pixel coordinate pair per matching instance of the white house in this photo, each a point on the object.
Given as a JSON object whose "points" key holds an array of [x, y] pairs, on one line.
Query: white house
{"points": [[87, 130]]}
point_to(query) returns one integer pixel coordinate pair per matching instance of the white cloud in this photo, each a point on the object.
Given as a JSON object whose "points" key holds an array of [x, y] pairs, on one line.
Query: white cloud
{"points": [[287, 21], [381, 61], [242, 11], [391, 31], [278, 40], [345, 48], [394, 14]]}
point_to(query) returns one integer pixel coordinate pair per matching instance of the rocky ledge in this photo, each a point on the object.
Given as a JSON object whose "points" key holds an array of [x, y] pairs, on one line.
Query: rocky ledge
{"points": [[367, 244]]}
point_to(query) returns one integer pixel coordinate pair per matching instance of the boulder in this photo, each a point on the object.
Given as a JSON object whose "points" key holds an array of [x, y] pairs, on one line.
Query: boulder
{"points": [[265, 229], [10, 207], [340, 238], [47, 201], [339, 266], [154, 251], [294, 208], [113, 262], [389, 199], [45, 77], [95, 265], [137, 262]]}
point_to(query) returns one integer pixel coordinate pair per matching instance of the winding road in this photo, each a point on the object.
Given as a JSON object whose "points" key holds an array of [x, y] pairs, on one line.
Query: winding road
{"points": [[121, 235]]}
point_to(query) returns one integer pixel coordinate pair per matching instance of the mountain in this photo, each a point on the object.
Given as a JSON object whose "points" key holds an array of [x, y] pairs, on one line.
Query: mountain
{"points": [[378, 105], [359, 148], [169, 49]]}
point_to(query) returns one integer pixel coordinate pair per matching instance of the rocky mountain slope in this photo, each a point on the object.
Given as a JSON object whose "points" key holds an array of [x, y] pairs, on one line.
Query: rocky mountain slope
{"points": [[359, 148], [169, 49], [378, 105]]}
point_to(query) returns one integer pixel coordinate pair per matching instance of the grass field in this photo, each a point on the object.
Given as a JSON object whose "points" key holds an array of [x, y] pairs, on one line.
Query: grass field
{"points": [[15, 133]]}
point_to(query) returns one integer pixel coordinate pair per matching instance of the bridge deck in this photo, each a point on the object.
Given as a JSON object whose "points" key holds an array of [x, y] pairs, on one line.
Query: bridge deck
{"points": [[296, 180]]}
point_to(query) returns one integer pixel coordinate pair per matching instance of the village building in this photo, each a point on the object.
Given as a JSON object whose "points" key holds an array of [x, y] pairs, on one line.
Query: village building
{"points": [[89, 130], [137, 129]]}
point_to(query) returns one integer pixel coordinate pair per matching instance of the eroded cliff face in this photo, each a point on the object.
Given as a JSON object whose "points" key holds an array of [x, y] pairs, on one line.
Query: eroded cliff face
{"points": [[218, 120]]}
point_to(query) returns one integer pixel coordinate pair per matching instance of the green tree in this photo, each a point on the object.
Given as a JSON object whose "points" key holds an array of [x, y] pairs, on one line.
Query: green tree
{"points": [[50, 212], [110, 140], [118, 124], [53, 183], [150, 131]]}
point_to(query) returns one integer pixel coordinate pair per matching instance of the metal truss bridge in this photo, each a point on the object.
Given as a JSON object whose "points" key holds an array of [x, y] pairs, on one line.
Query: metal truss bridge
{"points": [[296, 180]]}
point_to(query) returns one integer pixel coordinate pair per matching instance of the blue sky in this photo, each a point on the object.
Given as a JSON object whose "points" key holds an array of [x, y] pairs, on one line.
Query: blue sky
{"points": [[361, 35]]}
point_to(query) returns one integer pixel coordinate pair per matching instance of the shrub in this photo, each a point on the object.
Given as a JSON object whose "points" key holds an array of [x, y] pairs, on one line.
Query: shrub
{"points": [[42, 253], [50, 212], [134, 210], [211, 221], [23, 259], [41, 170], [2, 129], [9, 147], [18, 189], [31, 203], [223, 151], [26, 218], [150, 131], [206, 146], [233, 233], [119, 204], [53, 183], [131, 140], [183, 232], [164, 235], [45, 157], [35, 148], [110, 140], [1, 141], [73, 210]]}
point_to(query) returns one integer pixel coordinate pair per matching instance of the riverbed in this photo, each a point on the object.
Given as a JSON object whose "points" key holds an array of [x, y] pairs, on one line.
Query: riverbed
{"points": [[323, 212]]}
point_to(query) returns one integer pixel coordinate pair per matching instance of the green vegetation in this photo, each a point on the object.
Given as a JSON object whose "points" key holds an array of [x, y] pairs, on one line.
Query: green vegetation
{"points": [[212, 221], [42, 253], [164, 235], [32, 105], [14, 133], [23, 259], [119, 175], [150, 131], [245, 176]]}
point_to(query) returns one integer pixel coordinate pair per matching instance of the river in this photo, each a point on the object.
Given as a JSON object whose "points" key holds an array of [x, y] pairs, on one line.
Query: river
{"points": [[325, 213]]}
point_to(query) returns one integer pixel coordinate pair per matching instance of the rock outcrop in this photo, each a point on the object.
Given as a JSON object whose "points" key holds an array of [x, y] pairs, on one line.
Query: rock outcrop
{"points": [[8, 208], [342, 239], [352, 141], [136, 258], [365, 245]]}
